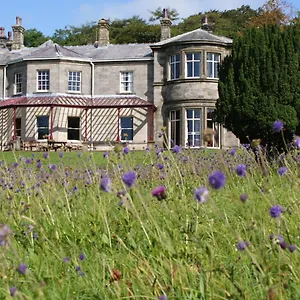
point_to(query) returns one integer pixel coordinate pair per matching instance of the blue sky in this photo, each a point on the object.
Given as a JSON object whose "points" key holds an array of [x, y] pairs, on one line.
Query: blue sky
{"points": [[47, 16]]}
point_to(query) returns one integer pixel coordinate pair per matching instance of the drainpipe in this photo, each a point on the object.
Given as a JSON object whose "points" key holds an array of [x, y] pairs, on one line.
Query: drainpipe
{"points": [[4, 81], [92, 97]]}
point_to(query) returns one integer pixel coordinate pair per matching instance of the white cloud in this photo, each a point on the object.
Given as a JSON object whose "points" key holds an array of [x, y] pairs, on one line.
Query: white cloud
{"points": [[185, 8]]}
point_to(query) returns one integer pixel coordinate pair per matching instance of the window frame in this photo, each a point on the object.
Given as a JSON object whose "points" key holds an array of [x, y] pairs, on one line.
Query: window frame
{"points": [[42, 127], [18, 127], [126, 128], [18, 83], [213, 62], [41, 82], [77, 129], [124, 82], [175, 121], [215, 126], [73, 82], [193, 61], [176, 64], [193, 133]]}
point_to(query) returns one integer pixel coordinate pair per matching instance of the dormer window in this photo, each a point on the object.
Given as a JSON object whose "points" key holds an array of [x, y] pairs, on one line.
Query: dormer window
{"points": [[213, 62], [175, 66], [193, 65]]}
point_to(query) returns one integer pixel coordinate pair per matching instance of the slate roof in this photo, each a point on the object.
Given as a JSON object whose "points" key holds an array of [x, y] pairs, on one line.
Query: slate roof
{"points": [[197, 35], [106, 101]]}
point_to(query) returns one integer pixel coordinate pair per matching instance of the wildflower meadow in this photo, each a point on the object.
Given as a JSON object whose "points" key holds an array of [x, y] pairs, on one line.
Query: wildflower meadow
{"points": [[152, 224]]}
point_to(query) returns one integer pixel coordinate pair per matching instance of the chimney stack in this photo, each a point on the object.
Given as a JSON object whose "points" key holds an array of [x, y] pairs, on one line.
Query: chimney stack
{"points": [[206, 26], [2, 32], [18, 31], [165, 26], [103, 32]]}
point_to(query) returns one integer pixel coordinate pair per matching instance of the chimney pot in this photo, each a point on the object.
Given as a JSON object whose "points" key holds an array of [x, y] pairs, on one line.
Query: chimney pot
{"points": [[2, 34], [165, 26], [9, 35], [18, 21]]}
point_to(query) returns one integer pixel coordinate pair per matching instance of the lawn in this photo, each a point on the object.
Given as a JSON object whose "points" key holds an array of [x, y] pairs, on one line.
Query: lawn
{"points": [[149, 225]]}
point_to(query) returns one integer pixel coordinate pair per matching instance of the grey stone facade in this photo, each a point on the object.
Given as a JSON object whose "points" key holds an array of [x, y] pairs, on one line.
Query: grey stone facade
{"points": [[142, 70]]}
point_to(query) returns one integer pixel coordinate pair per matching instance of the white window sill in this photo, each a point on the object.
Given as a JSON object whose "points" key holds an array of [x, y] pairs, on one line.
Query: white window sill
{"points": [[74, 92]]}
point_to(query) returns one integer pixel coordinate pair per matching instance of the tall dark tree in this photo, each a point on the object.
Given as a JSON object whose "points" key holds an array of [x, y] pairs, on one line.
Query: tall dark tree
{"points": [[259, 83]]}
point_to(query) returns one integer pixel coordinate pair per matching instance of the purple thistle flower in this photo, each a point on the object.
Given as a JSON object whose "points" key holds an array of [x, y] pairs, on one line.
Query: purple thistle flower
{"points": [[22, 268], [159, 192], [217, 180], [277, 126], [45, 155], [129, 178], [126, 150], [15, 164], [297, 142], [244, 197], [60, 154], [242, 245], [176, 149], [39, 165], [78, 268], [81, 256], [106, 184], [281, 171], [292, 248], [13, 290], [162, 297], [232, 151], [160, 166], [276, 238], [105, 154], [66, 259], [283, 245], [276, 211], [240, 170], [53, 167], [201, 194]]}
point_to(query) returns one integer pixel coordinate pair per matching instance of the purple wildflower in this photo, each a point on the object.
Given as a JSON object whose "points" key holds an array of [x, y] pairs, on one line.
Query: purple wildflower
{"points": [[39, 165], [281, 171], [129, 178], [78, 268], [162, 297], [66, 259], [15, 164], [13, 290], [81, 256], [241, 170], [217, 180], [105, 154], [160, 166], [106, 184], [232, 151], [176, 149], [242, 245], [22, 268], [244, 197], [277, 126], [60, 154], [159, 192], [276, 238], [201, 194], [45, 155], [297, 142], [53, 167], [283, 245], [292, 248], [126, 150], [276, 211]]}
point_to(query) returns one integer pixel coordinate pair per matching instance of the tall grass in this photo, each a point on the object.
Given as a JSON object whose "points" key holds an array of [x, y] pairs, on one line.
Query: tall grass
{"points": [[80, 242]]}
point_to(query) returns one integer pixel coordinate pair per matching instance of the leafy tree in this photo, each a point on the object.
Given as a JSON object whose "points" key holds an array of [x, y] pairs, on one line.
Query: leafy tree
{"points": [[158, 14], [273, 12], [72, 35], [259, 83], [34, 38]]}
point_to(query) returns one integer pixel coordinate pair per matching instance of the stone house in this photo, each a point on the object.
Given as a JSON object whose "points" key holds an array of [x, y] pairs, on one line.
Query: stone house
{"points": [[106, 93]]}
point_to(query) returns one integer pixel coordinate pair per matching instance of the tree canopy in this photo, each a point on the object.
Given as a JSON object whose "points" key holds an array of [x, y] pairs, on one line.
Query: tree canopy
{"points": [[259, 84], [228, 23]]}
